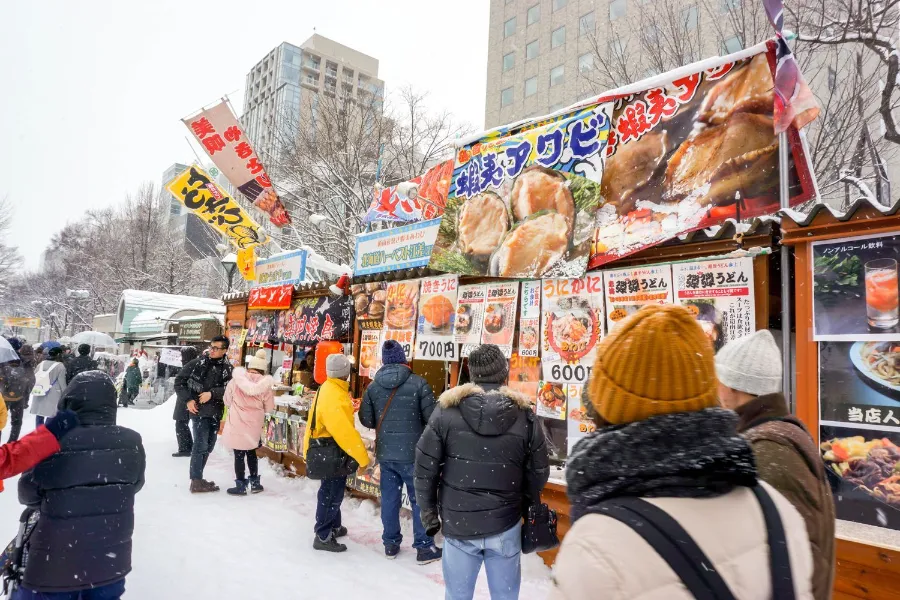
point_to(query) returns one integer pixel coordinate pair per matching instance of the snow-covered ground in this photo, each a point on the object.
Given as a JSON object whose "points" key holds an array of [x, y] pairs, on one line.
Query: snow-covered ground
{"points": [[217, 547]]}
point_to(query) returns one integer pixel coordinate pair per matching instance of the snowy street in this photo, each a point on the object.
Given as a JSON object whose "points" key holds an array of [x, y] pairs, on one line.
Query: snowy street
{"points": [[214, 546]]}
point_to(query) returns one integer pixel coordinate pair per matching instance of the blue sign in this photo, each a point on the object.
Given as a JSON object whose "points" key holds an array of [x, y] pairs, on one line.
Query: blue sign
{"points": [[281, 269], [395, 249]]}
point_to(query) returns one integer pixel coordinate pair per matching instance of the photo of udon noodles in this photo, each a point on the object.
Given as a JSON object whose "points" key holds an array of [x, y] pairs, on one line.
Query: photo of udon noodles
{"points": [[882, 359]]}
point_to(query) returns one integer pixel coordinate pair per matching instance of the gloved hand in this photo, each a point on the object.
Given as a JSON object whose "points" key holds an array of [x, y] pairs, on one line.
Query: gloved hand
{"points": [[62, 423], [430, 521]]}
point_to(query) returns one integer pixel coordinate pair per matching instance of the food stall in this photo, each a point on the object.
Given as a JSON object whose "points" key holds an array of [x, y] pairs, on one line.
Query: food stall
{"points": [[847, 384]]}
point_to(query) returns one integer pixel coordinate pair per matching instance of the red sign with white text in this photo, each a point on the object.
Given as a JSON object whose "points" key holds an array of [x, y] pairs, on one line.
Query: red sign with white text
{"points": [[271, 298]]}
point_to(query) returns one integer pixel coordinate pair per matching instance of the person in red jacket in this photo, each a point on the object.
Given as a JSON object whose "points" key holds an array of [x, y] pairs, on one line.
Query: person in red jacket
{"points": [[20, 456]]}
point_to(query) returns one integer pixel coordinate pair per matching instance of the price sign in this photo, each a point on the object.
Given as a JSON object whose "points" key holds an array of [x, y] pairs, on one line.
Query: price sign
{"points": [[562, 372], [431, 349]]}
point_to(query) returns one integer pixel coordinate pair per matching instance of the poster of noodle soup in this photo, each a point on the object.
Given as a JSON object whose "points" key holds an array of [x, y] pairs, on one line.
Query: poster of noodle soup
{"points": [[469, 317], [571, 327], [530, 319], [627, 290], [855, 289], [499, 326], [400, 314], [437, 310]]}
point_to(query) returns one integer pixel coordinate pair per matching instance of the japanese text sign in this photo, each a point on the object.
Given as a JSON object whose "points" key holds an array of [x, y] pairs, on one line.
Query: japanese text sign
{"points": [[285, 268], [571, 327], [395, 249], [627, 290], [469, 317], [400, 314], [311, 320], [499, 324], [437, 311], [530, 320], [271, 298], [369, 353]]}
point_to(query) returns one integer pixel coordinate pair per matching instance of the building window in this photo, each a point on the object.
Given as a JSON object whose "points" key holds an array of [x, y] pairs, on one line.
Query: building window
{"points": [[617, 9], [531, 86], [506, 97], [509, 61], [732, 44], [730, 5], [532, 50], [690, 17], [832, 79], [616, 48], [558, 37], [557, 75], [509, 28], [558, 4], [586, 24], [534, 14], [650, 35], [586, 62]]}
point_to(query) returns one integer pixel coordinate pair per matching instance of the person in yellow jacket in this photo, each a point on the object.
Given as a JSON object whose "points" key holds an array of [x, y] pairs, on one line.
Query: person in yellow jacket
{"points": [[333, 410]]}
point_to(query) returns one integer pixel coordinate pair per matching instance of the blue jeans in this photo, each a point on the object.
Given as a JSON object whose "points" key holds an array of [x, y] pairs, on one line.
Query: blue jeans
{"points": [[393, 476], [112, 591], [205, 431], [328, 507], [501, 555]]}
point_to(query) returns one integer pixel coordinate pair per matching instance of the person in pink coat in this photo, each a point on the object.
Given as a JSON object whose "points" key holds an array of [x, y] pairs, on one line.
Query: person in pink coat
{"points": [[248, 397]]}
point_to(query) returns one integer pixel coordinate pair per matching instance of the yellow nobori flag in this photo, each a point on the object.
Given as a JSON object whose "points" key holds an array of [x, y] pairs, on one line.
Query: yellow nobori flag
{"points": [[246, 262]]}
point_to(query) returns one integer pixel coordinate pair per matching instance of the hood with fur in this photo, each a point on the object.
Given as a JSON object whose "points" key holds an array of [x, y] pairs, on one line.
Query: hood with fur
{"points": [[252, 384], [489, 409]]}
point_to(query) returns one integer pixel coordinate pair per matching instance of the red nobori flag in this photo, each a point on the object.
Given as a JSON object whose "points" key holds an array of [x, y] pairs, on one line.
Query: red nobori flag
{"points": [[794, 102]]}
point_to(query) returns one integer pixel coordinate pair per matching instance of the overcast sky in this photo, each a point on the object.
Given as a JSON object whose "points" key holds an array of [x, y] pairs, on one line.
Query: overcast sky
{"points": [[93, 91]]}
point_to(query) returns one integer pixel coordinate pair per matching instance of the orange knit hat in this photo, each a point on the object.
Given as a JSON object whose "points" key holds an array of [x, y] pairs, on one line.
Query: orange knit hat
{"points": [[657, 361]]}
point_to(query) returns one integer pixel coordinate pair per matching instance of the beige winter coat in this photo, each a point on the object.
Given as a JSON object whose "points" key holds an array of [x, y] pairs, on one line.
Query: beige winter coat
{"points": [[603, 558]]}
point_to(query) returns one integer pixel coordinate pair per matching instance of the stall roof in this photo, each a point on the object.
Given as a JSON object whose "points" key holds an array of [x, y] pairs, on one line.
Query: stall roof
{"points": [[310, 286], [157, 301], [806, 219], [203, 317]]}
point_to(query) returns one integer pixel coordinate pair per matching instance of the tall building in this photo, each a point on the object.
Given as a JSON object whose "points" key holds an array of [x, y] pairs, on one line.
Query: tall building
{"points": [[175, 207], [276, 90], [198, 238]]}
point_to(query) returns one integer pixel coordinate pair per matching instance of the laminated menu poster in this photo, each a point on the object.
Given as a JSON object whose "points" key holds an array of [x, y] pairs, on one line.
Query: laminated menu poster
{"points": [[530, 319], [400, 314], [296, 430], [469, 317], [628, 290], [855, 289], [369, 353], [437, 311], [578, 423], [720, 295], [571, 327], [369, 301], [499, 326], [524, 375], [551, 400]]}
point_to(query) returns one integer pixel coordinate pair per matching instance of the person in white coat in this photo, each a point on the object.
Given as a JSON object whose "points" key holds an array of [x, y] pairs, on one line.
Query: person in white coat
{"points": [[666, 504], [50, 381]]}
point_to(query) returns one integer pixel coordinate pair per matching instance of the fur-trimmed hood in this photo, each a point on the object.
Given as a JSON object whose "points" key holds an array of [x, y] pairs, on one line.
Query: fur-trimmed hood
{"points": [[252, 384], [489, 409]]}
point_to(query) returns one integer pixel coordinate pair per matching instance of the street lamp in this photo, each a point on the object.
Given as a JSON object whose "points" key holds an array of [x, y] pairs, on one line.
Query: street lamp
{"points": [[229, 261]]}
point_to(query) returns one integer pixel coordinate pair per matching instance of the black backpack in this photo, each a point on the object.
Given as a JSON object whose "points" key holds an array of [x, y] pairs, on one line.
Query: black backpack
{"points": [[16, 382]]}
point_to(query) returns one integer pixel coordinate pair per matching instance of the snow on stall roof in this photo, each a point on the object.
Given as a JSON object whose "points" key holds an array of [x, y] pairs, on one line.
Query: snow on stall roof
{"points": [[158, 301], [220, 317], [803, 219], [151, 319]]}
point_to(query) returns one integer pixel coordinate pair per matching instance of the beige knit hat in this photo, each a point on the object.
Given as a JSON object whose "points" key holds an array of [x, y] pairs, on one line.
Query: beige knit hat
{"points": [[258, 361], [751, 364]]}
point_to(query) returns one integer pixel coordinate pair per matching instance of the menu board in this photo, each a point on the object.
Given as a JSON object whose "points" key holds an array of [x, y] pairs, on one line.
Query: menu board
{"points": [[855, 291], [369, 353], [524, 374], [437, 311], [628, 290], [530, 319], [551, 400], [720, 295], [571, 327], [499, 324], [400, 314], [469, 317], [578, 423]]}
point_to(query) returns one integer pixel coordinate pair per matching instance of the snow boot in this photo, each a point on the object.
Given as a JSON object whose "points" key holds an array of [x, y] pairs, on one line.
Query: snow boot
{"points": [[428, 555], [339, 532], [181, 454], [391, 552], [239, 489], [201, 486], [212, 484], [329, 544], [255, 486]]}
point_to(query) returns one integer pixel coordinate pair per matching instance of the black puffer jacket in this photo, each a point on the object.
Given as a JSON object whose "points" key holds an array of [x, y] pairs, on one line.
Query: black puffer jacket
{"points": [[80, 365], [405, 420], [205, 375], [85, 494], [477, 450], [182, 392]]}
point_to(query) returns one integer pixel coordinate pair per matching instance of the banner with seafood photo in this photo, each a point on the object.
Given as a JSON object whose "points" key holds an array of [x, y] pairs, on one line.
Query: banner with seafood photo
{"points": [[523, 200], [368, 302], [400, 312], [628, 290], [499, 325], [420, 199], [469, 317], [692, 149], [571, 327], [437, 310]]}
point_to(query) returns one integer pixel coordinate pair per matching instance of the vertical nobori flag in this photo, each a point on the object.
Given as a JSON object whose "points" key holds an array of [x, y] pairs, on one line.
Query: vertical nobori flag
{"points": [[218, 130]]}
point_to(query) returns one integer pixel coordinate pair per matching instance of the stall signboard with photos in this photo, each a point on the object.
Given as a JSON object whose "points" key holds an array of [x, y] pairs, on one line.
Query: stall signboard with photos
{"points": [[692, 150], [401, 309], [855, 290], [523, 199], [719, 293], [369, 300], [571, 328], [628, 290], [530, 319], [469, 317], [437, 311], [499, 325]]}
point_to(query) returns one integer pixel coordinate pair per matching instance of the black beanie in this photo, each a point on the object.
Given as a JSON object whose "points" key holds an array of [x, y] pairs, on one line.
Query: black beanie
{"points": [[488, 365]]}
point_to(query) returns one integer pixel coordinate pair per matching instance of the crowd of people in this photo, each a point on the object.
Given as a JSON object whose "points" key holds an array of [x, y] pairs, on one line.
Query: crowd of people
{"points": [[697, 483]]}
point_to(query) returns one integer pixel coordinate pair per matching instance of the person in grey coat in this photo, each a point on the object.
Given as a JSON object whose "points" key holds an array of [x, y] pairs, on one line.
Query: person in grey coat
{"points": [[50, 381], [402, 423]]}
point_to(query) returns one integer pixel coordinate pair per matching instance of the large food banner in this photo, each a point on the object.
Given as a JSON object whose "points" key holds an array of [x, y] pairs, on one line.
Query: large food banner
{"points": [[311, 320], [523, 201], [419, 199], [628, 290], [469, 317], [692, 152], [369, 302], [571, 328], [220, 134], [201, 195], [437, 311], [855, 289], [499, 325], [400, 314], [530, 319], [720, 295]]}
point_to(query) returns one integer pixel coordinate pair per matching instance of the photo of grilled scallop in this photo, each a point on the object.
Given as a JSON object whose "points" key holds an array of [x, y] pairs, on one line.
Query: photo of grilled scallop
{"points": [[532, 247], [538, 188], [738, 157], [483, 221], [749, 89], [633, 166]]}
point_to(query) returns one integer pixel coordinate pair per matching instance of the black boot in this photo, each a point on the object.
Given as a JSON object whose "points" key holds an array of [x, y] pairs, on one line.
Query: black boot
{"points": [[329, 544], [255, 486], [239, 489]]}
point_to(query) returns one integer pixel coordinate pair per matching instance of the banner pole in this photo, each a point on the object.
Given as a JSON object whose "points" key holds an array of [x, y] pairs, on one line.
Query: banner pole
{"points": [[786, 346]]}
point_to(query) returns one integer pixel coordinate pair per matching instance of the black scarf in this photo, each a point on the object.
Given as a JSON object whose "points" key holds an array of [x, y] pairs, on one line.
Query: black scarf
{"points": [[682, 455]]}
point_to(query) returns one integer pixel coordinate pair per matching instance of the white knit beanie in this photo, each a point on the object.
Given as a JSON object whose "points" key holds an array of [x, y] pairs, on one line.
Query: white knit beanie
{"points": [[751, 364]]}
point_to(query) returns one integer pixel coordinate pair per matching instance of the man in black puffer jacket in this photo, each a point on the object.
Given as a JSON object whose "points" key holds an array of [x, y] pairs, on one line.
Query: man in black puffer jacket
{"points": [[85, 493], [401, 425], [481, 462], [83, 363], [182, 396]]}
